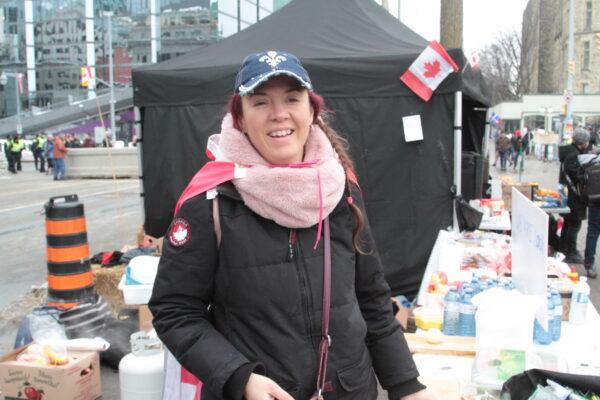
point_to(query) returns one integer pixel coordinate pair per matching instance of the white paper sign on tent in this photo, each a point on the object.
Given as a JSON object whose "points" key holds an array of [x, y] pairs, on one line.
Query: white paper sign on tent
{"points": [[530, 250], [412, 128]]}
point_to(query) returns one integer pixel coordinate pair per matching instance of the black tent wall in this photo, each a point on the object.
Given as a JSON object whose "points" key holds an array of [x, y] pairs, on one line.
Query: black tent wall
{"points": [[407, 186]]}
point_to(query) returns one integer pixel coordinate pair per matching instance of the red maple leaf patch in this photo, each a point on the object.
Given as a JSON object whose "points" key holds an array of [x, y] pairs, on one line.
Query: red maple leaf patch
{"points": [[431, 69]]}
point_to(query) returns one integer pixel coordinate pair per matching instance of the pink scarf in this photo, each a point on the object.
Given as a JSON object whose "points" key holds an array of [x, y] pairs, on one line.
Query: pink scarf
{"points": [[295, 196]]}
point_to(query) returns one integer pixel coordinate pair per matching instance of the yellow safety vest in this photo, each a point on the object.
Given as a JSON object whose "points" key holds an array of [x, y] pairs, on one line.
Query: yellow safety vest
{"points": [[17, 146]]}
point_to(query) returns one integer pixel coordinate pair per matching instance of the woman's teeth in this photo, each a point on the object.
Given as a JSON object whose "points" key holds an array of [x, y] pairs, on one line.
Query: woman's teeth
{"points": [[281, 133]]}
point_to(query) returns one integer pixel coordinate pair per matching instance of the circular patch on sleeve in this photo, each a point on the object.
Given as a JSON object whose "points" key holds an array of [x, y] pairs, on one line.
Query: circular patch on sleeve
{"points": [[180, 232]]}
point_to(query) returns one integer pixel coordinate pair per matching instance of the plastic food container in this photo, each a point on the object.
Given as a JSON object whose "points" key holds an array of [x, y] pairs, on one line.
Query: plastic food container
{"points": [[135, 294], [429, 317]]}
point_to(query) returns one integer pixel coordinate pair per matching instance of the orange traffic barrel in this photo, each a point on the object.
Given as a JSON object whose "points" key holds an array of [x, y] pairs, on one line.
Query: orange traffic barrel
{"points": [[70, 279]]}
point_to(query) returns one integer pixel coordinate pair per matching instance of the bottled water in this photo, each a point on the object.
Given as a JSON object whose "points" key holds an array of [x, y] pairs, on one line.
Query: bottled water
{"points": [[541, 335], [558, 309], [451, 313], [466, 319], [579, 302]]}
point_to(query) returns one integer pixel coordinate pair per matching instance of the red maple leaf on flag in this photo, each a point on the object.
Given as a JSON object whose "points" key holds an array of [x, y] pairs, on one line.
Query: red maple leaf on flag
{"points": [[431, 69]]}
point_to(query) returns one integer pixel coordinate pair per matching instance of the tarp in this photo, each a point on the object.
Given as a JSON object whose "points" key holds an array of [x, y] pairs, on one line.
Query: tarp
{"points": [[355, 53]]}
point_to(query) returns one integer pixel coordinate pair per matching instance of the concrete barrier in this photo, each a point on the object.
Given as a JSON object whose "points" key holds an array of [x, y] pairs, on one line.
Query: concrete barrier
{"points": [[100, 162]]}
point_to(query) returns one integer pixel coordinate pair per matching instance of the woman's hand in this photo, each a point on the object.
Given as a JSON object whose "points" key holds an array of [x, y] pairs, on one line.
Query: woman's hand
{"points": [[421, 395], [262, 388]]}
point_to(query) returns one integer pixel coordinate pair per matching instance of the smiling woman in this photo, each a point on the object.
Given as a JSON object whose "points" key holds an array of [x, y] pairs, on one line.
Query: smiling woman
{"points": [[277, 119], [277, 291]]}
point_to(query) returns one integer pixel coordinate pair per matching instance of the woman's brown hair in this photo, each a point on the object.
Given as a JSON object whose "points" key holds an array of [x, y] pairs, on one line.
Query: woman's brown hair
{"points": [[340, 145]]}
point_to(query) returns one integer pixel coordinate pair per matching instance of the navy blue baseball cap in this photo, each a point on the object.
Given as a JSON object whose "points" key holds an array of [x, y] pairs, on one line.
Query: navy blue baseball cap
{"points": [[258, 68]]}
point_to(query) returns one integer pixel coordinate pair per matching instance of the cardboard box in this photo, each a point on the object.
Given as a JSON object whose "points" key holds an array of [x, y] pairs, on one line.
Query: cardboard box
{"points": [[77, 380], [524, 187]]}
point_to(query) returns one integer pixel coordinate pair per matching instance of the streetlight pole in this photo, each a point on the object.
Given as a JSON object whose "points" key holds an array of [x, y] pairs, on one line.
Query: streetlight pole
{"points": [[111, 82], [3, 81], [570, 71]]}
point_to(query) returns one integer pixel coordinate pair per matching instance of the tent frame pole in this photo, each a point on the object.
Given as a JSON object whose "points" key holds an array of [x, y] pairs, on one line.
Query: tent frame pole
{"points": [[457, 154], [137, 126], [486, 136]]}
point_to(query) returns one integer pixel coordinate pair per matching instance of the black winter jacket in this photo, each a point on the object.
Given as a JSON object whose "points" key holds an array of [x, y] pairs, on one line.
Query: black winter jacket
{"points": [[570, 168], [264, 288]]}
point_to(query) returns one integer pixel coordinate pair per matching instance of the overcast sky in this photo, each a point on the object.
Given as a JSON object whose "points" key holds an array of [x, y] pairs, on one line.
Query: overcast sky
{"points": [[483, 19]]}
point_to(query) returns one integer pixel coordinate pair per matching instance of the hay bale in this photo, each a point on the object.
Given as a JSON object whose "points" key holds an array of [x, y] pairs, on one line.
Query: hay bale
{"points": [[107, 282]]}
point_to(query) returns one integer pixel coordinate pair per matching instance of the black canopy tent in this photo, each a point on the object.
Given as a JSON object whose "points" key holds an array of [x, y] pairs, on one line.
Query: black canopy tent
{"points": [[355, 53]]}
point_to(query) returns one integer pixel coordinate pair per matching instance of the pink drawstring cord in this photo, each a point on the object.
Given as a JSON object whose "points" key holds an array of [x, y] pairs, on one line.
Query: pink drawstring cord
{"points": [[320, 225]]}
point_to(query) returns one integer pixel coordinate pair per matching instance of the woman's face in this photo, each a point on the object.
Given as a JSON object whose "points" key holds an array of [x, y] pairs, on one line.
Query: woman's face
{"points": [[277, 119]]}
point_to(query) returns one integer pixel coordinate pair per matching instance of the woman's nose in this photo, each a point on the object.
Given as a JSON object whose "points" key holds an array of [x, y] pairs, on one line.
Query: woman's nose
{"points": [[279, 112]]}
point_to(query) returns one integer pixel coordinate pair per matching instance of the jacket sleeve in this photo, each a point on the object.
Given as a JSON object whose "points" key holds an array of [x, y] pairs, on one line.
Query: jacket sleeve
{"points": [[392, 360], [182, 293], [573, 169]]}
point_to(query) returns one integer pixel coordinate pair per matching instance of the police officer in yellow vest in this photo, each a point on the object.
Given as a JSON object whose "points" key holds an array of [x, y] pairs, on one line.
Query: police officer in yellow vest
{"points": [[37, 146], [17, 147], [8, 154]]}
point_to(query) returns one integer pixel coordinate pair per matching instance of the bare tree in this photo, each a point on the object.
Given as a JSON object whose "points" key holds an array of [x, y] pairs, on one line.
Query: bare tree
{"points": [[500, 64]]}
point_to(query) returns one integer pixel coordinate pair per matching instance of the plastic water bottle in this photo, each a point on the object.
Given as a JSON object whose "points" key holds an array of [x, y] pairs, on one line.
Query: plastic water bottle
{"points": [[579, 302], [558, 309], [451, 313], [475, 285], [541, 335], [466, 319]]}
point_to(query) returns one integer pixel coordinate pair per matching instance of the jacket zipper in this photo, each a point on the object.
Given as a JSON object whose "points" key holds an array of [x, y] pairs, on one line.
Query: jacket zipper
{"points": [[291, 245], [306, 296]]}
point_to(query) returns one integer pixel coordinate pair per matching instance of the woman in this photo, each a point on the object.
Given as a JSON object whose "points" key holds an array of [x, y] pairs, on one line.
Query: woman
{"points": [[49, 153], [244, 311]]}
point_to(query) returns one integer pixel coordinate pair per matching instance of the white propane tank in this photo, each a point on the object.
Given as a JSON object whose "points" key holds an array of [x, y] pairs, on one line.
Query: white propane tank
{"points": [[141, 372]]}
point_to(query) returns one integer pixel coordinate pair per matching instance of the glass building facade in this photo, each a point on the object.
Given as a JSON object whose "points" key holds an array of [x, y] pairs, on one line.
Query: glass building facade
{"points": [[58, 44]]}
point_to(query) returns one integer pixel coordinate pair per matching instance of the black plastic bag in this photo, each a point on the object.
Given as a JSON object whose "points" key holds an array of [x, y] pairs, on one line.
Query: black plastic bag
{"points": [[523, 385], [117, 332], [468, 217]]}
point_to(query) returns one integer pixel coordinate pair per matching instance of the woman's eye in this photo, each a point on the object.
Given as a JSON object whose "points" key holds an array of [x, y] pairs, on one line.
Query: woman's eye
{"points": [[293, 99], [259, 103]]}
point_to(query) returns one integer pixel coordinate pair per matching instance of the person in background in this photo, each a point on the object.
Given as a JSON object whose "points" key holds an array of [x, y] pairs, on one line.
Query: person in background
{"points": [[39, 148], [516, 144], [88, 141], [591, 240], [496, 136], [34, 150], [107, 141], [570, 175], [527, 136], [9, 156], [593, 148], [49, 153], [16, 148], [241, 306], [503, 147], [60, 152]]}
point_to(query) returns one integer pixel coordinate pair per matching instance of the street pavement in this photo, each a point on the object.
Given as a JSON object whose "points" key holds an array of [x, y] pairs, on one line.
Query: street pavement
{"points": [[113, 214]]}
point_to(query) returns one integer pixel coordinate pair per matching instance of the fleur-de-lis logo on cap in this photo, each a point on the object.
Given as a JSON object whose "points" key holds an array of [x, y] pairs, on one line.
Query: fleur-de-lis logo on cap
{"points": [[272, 59]]}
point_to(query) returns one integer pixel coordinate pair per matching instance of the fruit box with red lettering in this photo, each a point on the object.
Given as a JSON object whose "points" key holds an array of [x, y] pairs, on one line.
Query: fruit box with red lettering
{"points": [[79, 379]]}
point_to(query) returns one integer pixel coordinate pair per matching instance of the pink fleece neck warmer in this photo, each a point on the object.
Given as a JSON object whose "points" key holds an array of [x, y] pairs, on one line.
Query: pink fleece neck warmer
{"points": [[295, 196]]}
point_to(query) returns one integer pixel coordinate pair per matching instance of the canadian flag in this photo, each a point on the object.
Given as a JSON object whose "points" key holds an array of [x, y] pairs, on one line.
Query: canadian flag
{"points": [[474, 59], [429, 70], [179, 384]]}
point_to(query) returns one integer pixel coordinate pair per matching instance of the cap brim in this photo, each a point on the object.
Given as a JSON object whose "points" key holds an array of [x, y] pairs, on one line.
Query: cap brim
{"points": [[259, 80]]}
